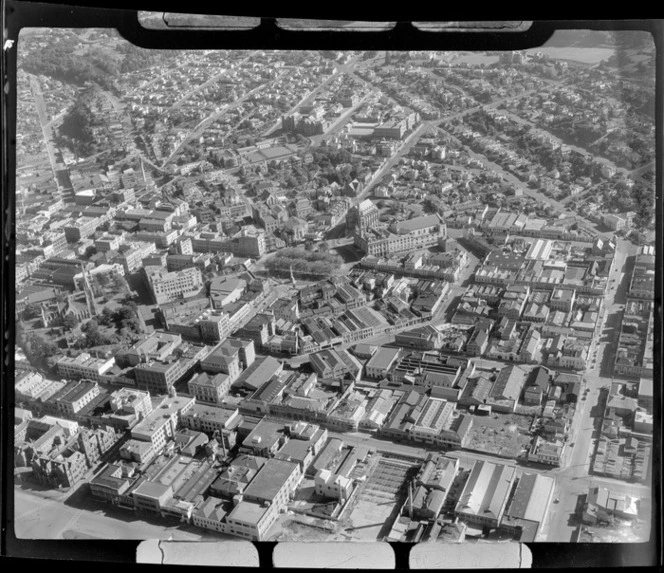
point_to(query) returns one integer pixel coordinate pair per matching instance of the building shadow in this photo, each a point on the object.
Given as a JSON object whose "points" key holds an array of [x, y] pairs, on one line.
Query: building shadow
{"points": [[137, 284], [80, 498], [394, 515], [28, 483], [597, 410], [574, 519]]}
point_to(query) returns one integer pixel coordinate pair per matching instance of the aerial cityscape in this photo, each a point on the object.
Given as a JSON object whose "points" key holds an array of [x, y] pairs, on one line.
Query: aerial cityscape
{"points": [[321, 295]]}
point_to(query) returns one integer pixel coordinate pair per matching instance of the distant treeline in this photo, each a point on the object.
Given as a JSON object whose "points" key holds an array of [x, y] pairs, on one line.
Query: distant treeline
{"points": [[77, 131], [97, 65]]}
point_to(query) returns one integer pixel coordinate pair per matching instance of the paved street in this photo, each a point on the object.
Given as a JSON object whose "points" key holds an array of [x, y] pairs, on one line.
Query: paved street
{"points": [[385, 168], [205, 123], [573, 478], [340, 122], [341, 69], [47, 134], [43, 515], [584, 152], [517, 183], [214, 79]]}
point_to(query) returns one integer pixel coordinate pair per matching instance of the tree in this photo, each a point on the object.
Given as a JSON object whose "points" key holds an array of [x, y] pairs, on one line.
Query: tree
{"points": [[103, 279], [118, 282], [90, 326], [41, 348], [31, 311], [106, 317], [93, 336], [69, 321], [122, 315], [642, 221], [134, 325], [129, 299]]}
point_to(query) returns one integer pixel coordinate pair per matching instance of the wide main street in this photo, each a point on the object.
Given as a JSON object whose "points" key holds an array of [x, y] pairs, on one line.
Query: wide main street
{"points": [[47, 134], [47, 515], [574, 477]]}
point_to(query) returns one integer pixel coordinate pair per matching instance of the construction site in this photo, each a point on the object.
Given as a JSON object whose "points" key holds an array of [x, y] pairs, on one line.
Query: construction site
{"points": [[379, 499]]}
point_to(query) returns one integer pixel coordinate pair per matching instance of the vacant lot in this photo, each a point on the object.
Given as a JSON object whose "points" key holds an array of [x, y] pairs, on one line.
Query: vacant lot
{"points": [[504, 435], [298, 528]]}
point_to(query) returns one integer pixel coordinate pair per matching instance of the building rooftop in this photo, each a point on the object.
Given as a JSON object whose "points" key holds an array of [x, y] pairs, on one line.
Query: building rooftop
{"points": [[509, 383], [162, 412], [227, 416], [295, 450], [270, 390], [328, 453], [136, 446], [364, 349], [646, 388], [262, 369], [486, 490], [249, 461], [612, 501], [270, 479], [531, 497], [434, 415], [438, 472], [213, 507], [152, 489], [331, 358], [197, 483], [265, 434], [77, 391], [205, 380], [415, 224], [85, 360], [247, 512], [226, 285]]}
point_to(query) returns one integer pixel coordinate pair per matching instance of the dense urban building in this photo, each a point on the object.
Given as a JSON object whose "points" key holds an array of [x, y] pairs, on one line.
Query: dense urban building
{"points": [[465, 271]]}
